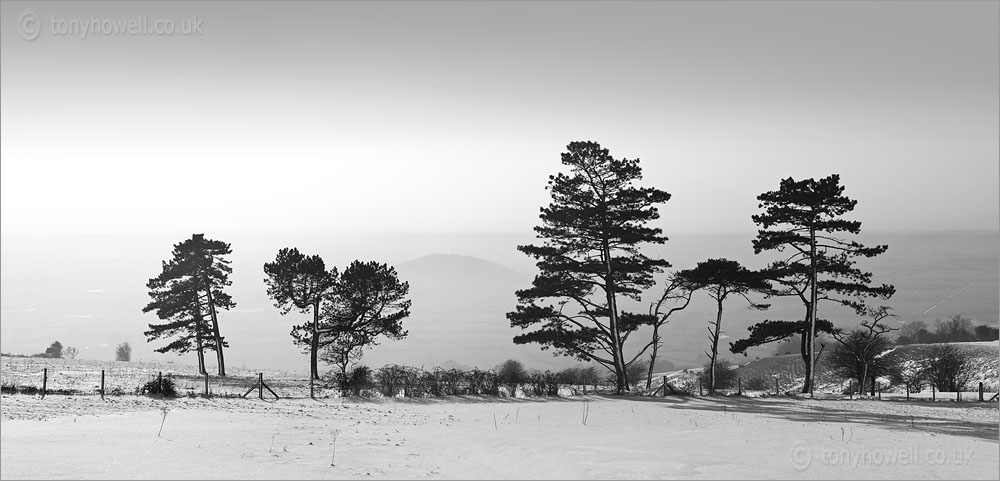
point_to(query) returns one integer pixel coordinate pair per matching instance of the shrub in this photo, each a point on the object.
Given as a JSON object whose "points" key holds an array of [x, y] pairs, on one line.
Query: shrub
{"points": [[511, 373], [483, 382], [356, 380], [123, 352], [166, 388], [758, 384], [637, 371], [948, 368], [725, 374]]}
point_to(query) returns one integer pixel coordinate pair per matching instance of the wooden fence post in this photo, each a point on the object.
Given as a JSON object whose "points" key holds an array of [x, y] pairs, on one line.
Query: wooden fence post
{"points": [[45, 380], [665, 386], [102, 383], [850, 389], [980, 391], [933, 393], [206, 383], [958, 394], [260, 385]]}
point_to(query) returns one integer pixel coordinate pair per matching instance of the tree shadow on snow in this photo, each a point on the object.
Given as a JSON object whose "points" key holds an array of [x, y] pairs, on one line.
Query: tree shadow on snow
{"points": [[806, 411]]}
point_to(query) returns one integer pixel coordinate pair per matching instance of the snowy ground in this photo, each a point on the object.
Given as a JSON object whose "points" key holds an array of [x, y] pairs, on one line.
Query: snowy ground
{"points": [[631, 438]]}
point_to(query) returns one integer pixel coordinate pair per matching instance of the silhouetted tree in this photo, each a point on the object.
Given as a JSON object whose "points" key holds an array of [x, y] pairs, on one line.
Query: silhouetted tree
{"points": [[302, 282], [70, 352], [54, 351], [954, 329], [590, 259], [511, 373], [914, 332], [723, 372], [986, 333], [805, 217], [948, 367], [368, 302], [124, 352], [861, 353], [675, 298], [187, 294], [720, 278]]}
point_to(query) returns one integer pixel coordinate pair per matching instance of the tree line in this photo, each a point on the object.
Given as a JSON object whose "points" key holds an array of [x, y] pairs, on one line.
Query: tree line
{"points": [[590, 261], [351, 309]]}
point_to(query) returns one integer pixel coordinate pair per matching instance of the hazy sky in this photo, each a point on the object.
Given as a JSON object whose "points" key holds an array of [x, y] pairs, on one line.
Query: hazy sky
{"points": [[340, 121], [449, 116]]}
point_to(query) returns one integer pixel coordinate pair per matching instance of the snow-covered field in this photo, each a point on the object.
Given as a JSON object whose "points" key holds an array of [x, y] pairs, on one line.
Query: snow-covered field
{"points": [[470, 437]]}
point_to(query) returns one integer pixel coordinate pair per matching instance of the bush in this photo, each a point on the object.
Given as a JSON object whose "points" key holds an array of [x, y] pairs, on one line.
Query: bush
{"points": [[637, 371], [484, 382], [356, 380], [948, 368], [725, 374], [123, 352], [543, 384], [166, 388], [511, 373], [758, 384]]}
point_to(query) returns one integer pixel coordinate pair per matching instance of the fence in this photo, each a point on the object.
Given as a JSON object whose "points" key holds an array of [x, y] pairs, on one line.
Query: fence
{"points": [[696, 386], [84, 377]]}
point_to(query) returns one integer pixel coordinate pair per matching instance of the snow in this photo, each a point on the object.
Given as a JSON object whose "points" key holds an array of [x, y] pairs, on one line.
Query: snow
{"points": [[82, 437]]}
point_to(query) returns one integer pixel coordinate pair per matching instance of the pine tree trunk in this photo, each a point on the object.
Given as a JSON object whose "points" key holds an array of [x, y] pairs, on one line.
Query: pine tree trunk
{"points": [[609, 287], [215, 327], [715, 346], [652, 356], [808, 387], [804, 351], [197, 335], [314, 346]]}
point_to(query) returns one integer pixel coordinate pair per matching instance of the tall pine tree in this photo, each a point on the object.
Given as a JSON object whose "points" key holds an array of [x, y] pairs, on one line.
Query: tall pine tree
{"points": [[590, 259], [803, 220], [188, 294], [300, 281], [722, 278], [368, 302]]}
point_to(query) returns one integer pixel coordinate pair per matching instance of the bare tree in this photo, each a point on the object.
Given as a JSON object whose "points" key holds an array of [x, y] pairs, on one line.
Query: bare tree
{"points": [[123, 352], [914, 332], [677, 293], [948, 367], [70, 352], [860, 353], [955, 329]]}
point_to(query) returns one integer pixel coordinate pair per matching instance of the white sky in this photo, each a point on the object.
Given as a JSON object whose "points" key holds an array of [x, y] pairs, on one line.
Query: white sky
{"points": [[450, 116]]}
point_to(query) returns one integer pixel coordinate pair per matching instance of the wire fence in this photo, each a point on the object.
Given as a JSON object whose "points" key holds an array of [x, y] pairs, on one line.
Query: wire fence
{"points": [[113, 378]]}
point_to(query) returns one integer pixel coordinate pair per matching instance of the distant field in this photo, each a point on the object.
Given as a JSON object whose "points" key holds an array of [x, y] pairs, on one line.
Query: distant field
{"points": [[790, 371], [84, 377]]}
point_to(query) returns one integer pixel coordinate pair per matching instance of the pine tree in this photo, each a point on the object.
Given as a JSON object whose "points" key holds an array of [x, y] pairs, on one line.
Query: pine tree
{"points": [[721, 278], [187, 294], [300, 281], [367, 303], [805, 218], [590, 258]]}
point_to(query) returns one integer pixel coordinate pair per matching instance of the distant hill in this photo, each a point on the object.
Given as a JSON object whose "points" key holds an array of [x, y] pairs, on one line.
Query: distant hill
{"points": [[459, 314]]}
